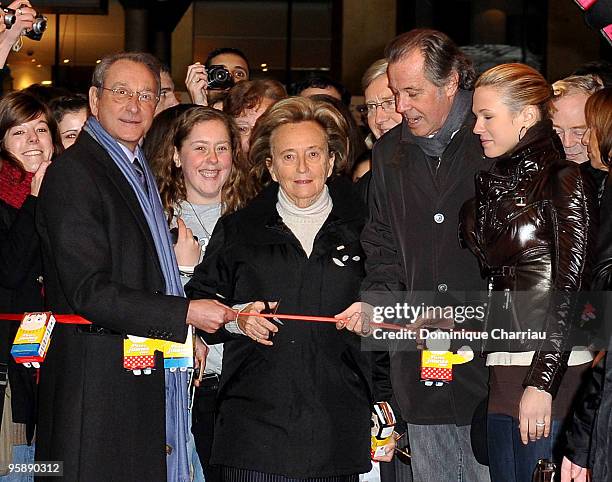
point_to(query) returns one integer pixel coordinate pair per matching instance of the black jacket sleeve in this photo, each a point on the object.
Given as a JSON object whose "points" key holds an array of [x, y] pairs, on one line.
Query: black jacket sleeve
{"points": [[574, 224], [383, 269], [213, 279], [19, 244], [587, 403]]}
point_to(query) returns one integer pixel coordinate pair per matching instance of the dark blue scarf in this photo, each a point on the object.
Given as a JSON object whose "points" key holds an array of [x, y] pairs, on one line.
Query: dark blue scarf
{"points": [[177, 422]]}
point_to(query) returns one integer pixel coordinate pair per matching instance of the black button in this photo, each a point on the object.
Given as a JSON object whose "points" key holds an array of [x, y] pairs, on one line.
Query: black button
{"points": [[159, 292]]}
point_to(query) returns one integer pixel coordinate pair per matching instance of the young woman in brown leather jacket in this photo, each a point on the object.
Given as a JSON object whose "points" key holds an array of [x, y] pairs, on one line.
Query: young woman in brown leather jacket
{"points": [[531, 225]]}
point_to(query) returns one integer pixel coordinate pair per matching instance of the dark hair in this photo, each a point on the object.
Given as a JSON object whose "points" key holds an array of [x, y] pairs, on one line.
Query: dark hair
{"points": [[249, 95], [70, 103], [599, 68], [441, 56], [146, 59], [163, 67], [226, 50], [17, 108], [356, 145], [170, 177], [321, 82], [598, 114]]}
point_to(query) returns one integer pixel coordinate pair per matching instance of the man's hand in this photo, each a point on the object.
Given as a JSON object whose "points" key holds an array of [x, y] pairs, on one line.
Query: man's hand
{"points": [[356, 318], [570, 471], [208, 315], [197, 83], [186, 249]]}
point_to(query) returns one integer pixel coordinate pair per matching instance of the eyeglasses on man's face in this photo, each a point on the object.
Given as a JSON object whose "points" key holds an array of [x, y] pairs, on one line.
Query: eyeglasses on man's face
{"points": [[370, 107], [122, 95]]}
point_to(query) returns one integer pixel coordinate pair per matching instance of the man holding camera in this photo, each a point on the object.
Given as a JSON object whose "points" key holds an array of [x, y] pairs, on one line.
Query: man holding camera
{"points": [[223, 68], [109, 258]]}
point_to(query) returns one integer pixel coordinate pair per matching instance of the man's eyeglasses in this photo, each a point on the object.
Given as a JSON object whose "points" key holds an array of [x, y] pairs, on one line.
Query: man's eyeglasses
{"points": [[122, 95], [370, 108]]}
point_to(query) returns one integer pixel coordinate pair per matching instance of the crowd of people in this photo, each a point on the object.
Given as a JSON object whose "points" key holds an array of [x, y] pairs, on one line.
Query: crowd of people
{"points": [[260, 221]]}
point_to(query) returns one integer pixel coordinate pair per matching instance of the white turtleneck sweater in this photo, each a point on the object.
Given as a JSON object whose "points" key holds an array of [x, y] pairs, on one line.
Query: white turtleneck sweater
{"points": [[304, 223]]}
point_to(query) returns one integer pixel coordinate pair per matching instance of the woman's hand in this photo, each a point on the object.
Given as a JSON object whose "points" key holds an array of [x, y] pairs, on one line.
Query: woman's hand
{"points": [[570, 471], [186, 249], [356, 318], [256, 327], [197, 83], [389, 451], [200, 351], [38, 178], [535, 414]]}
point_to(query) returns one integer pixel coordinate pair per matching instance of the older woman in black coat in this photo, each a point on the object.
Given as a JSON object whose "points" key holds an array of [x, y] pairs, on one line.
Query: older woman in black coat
{"points": [[294, 397]]}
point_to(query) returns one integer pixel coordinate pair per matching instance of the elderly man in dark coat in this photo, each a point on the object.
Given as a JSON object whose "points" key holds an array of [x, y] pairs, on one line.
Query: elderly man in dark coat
{"points": [[108, 257]]}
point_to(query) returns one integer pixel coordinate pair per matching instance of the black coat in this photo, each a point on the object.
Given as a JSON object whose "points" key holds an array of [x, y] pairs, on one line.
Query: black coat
{"points": [[588, 436], [411, 246], [20, 291], [100, 262], [300, 408]]}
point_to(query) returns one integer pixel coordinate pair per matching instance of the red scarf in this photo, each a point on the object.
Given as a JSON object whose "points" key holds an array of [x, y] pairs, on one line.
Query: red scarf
{"points": [[13, 188]]}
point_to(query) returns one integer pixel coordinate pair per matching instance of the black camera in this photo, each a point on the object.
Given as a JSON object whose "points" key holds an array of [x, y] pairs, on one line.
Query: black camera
{"points": [[38, 27], [219, 78], [10, 17]]}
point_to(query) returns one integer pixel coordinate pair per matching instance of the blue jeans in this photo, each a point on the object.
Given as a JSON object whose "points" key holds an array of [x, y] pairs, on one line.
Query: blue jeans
{"points": [[443, 453], [22, 454], [509, 459]]}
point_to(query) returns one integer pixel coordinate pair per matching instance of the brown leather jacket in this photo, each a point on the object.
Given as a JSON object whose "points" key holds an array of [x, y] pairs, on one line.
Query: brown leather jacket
{"points": [[532, 226]]}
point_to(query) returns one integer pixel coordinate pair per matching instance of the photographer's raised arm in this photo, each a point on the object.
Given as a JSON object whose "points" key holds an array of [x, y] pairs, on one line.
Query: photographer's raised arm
{"points": [[12, 25]]}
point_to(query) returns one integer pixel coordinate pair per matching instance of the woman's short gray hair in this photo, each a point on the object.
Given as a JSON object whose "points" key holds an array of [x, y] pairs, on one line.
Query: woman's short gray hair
{"points": [[373, 72], [148, 60]]}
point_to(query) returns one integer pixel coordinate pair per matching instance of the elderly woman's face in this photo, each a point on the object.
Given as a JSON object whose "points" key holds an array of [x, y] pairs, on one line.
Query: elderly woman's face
{"points": [[30, 143], [300, 162]]}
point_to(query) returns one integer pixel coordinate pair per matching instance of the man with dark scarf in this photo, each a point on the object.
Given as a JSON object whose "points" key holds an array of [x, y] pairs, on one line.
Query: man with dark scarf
{"points": [[423, 171]]}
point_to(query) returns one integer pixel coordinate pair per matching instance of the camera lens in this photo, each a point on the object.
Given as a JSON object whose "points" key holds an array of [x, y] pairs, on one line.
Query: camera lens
{"points": [[221, 75], [39, 25], [9, 17]]}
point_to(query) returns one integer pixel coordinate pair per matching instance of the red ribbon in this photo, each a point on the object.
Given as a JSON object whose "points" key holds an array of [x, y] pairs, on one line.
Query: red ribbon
{"points": [[65, 319], [317, 319]]}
